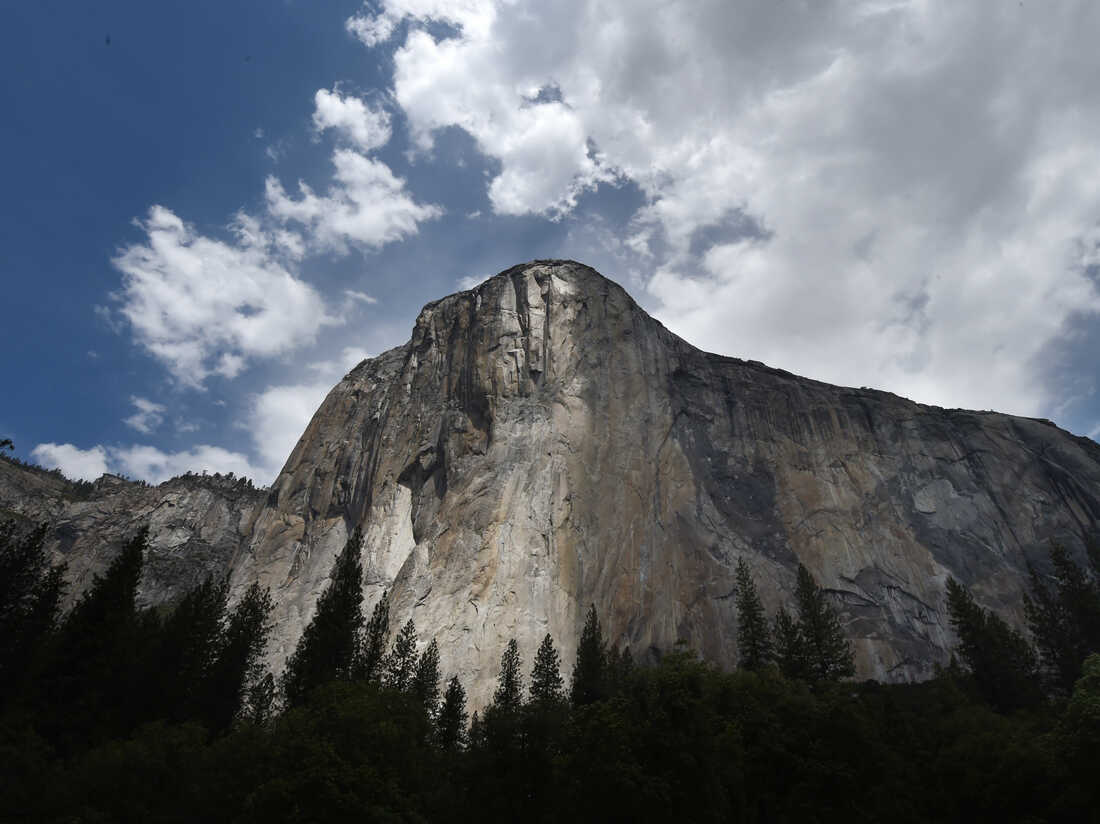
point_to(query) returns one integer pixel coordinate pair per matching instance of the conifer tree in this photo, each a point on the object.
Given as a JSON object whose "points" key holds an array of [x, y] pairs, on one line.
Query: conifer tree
{"points": [[1003, 665], [451, 721], [373, 650], [188, 646], [425, 683], [508, 695], [30, 597], [401, 662], [330, 642], [95, 678], [589, 672], [620, 667], [546, 682], [790, 647], [237, 682], [828, 654], [754, 642], [1064, 618]]}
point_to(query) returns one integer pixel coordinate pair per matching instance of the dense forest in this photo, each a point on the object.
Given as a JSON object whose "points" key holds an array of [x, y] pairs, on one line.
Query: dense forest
{"points": [[110, 712]]}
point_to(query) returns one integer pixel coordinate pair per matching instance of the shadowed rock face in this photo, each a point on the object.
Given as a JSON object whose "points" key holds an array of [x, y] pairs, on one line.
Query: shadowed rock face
{"points": [[541, 444]]}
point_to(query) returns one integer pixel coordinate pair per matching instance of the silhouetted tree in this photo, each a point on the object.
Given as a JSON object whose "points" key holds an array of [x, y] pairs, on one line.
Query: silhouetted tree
{"points": [[754, 641], [1064, 618], [827, 653], [790, 646], [401, 662], [425, 683], [1003, 665], [237, 683], [373, 650], [589, 672], [451, 721], [509, 691], [546, 682], [30, 596], [188, 646], [328, 647]]}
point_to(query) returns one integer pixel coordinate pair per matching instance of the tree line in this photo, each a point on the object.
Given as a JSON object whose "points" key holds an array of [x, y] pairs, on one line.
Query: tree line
{"points": [[122, 713]]}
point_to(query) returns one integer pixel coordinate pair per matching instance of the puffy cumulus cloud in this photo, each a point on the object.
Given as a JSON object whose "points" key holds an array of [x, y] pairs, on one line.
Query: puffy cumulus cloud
{"points": [[367, 128], [367, 205], [203, 306], [145, 462], [148, 417], [155, 465], [78, 464], [898, 194]]}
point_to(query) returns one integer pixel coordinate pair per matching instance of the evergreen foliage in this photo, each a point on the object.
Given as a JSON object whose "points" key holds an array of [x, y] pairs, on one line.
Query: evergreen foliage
{"points": [[401, 662], [451, 721], [1003, 664], [188, 646], [589, 672], [1064, 617], [237, 684], [754, 642], [790, 646], [546, 682], [330, 643], [509, 691], [425, 682], [30, 597], [827, 655], [373, 649]]}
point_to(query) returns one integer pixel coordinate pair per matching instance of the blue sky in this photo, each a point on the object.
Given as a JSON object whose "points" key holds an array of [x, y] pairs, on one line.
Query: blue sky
{"points": [[213, 209]]}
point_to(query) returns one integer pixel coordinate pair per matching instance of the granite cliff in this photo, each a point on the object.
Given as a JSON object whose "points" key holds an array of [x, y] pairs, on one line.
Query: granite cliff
{"points": [[541, 444]]}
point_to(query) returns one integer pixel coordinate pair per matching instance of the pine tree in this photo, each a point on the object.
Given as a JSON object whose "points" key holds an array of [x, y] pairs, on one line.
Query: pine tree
{"points": [[546, 683], [425, 683], [188, 646], [1064, 618], [237, 682], [328, 647], [30, 598], [401, 662], [508, 695], [373, 651], [96, 680], [828, 655], [451, 721], [259, 702], [790, 647], [1003, 665], [754, 642], [589, 672]]}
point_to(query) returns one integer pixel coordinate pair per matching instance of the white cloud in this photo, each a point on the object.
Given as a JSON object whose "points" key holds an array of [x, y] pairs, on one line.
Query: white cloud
{"points": [[202, 306], [75, 463], [368, 205], [921, 178], [367, 128], [361, 297], [154, 465], [144, 462], [148, 417]]}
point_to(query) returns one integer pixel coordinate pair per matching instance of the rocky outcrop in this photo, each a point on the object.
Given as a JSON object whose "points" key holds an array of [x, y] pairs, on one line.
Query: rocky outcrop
{"points": [[542, 444], [196, 524]]}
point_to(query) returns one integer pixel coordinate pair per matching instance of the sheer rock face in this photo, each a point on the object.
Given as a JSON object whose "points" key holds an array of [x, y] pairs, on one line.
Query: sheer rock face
{"points": [[542, 444], [196, 525]]}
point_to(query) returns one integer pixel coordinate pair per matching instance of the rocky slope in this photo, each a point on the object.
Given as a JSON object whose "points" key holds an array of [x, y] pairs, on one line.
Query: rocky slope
{"points": [[542, 444], [196, 524]]}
